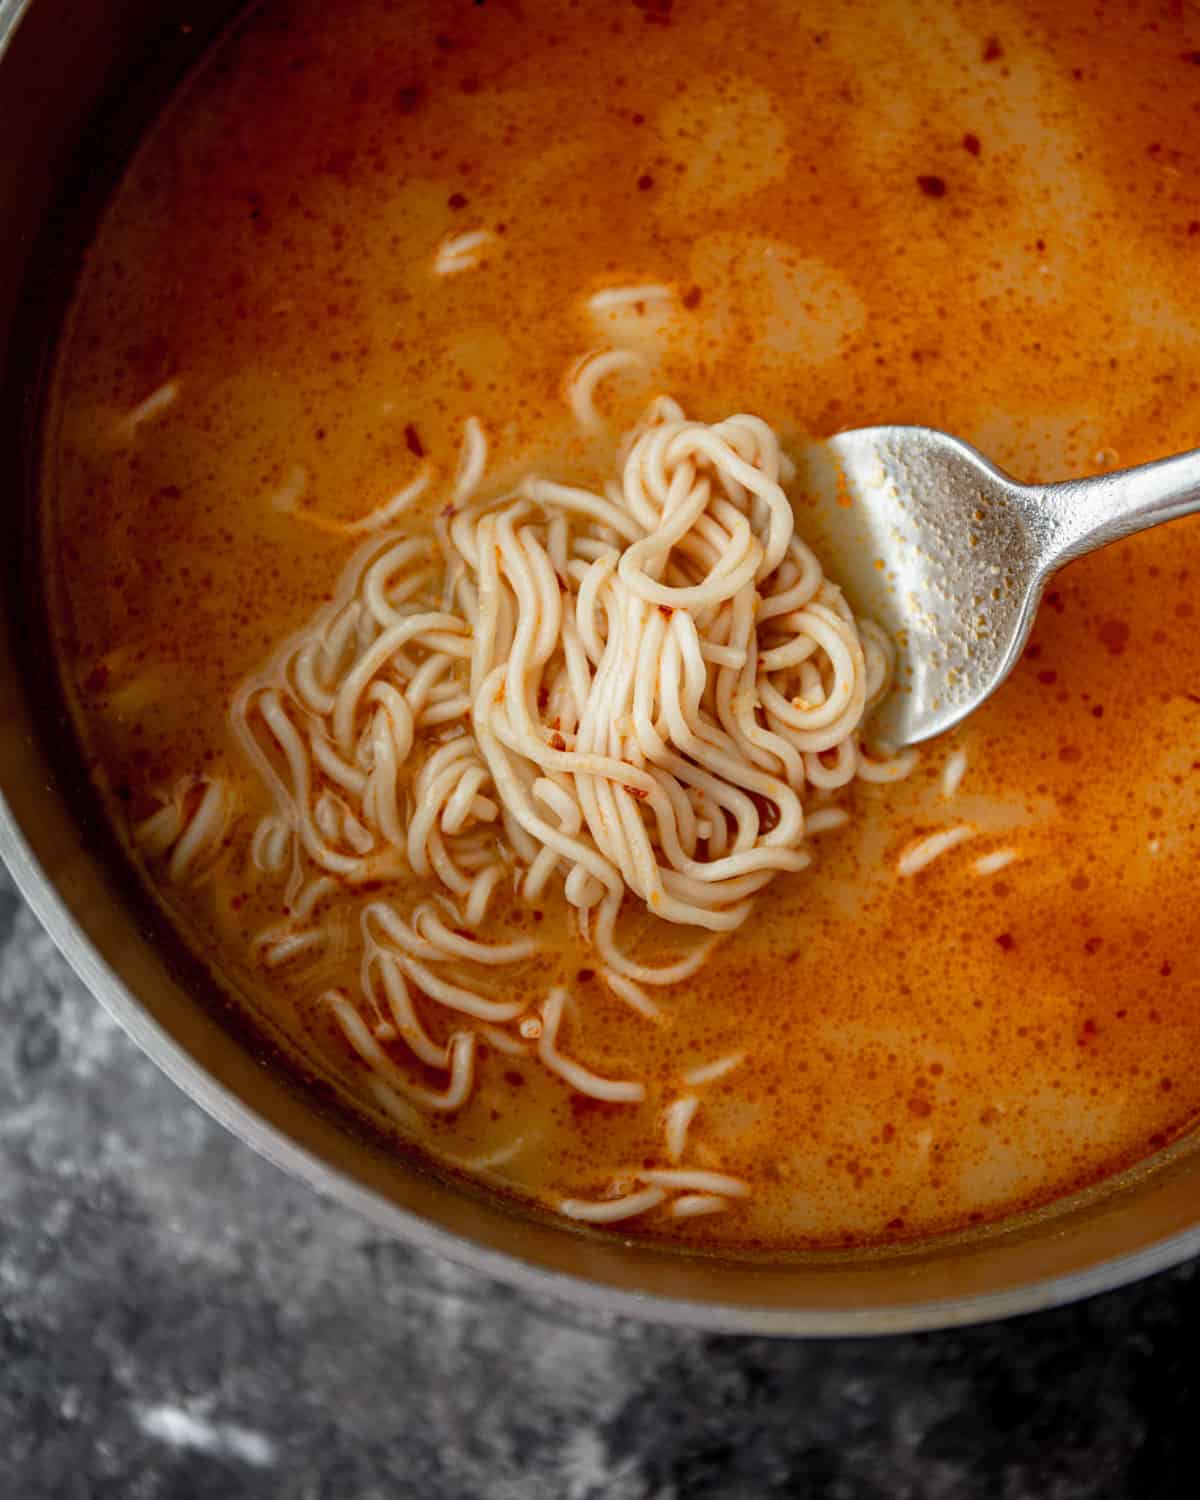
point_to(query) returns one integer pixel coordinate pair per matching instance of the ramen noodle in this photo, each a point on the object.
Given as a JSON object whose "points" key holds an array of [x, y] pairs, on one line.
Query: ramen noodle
{"points": [[433, 545]]}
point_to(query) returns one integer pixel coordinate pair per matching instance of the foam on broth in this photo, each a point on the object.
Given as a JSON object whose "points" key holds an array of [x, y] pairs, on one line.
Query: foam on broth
{"points": [[981, 218]]}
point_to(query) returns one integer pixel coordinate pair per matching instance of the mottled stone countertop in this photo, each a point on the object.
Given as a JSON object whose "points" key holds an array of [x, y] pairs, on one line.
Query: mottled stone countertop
{"points": [[177, 1318]]}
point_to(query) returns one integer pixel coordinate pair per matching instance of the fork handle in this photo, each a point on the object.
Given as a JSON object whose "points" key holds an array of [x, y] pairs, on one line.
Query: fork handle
{"points": [[1083, 514]]}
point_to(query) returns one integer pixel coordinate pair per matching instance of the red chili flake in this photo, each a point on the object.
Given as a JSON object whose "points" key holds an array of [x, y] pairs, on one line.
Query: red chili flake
{"points": [[992, 49], [408, 100], [972, 143], [1193, 228], [1093, 945], [1007, 941], [645, 182], [514, 1079], [636, 791], [585, 976], [1055, 600], [768, 811], [1069, 754], [639, 119], [1049, 676], [1033, 652], [691, 298], [456, 201], [543, 697], [1165, 971], [1191, 57], [585, 1106], [557, 742], [340, 163], [932, 187], [1114, 635], [666, 610], [448, 510], [655, 12], [413, 441], [1192, 697]]}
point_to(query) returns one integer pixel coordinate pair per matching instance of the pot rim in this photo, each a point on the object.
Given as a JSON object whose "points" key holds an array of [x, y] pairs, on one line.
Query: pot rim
{"points": [[244, 1122]]}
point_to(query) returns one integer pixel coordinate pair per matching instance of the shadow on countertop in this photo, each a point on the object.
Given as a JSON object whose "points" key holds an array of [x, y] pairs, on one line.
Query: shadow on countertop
{"points": [[179, 1319]]}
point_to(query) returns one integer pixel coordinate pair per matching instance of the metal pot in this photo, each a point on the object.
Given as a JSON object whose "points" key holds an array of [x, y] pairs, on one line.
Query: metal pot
{"points": [[59, 61]]}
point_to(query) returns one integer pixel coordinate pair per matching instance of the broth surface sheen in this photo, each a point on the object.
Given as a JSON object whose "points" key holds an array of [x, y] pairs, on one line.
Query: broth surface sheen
{"points": [[982, 217]]}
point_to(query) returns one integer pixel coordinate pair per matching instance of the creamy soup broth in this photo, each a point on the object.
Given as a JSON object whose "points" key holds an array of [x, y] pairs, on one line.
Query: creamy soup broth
{"points": [[983, 217]]}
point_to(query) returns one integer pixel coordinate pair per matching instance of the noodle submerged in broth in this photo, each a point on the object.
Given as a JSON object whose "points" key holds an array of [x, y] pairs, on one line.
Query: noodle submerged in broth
{"points": [[517, 775], [622, 692]]}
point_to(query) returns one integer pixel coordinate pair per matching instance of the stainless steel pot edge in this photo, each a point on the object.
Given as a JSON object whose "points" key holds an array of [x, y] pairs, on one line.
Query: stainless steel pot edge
{"points": [[228, 1110]]}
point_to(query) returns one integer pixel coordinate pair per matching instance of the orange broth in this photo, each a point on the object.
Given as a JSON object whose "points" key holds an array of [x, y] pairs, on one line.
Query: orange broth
{"points": [[984, 217]]}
